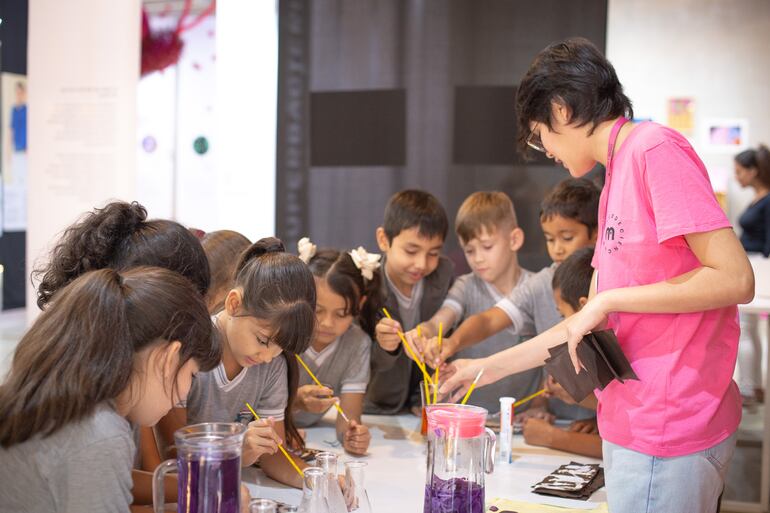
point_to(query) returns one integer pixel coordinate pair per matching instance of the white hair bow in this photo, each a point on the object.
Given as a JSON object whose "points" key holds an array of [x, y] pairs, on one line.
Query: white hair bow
{"points": [[306, 249], [366, 262]]}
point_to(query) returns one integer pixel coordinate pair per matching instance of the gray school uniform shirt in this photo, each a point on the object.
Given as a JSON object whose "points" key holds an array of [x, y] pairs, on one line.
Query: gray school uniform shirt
{"points": [[84, 466], [471, 295], [214, 398], [533, 304], [342, 366]]}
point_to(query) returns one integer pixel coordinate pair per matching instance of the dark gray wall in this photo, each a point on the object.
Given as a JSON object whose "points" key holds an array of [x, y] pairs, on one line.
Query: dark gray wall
{"points": [[13, 59], [457, 64]]}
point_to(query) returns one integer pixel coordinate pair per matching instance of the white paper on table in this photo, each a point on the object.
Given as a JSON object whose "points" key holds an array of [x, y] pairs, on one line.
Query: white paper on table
{"points": [[287, 495]]}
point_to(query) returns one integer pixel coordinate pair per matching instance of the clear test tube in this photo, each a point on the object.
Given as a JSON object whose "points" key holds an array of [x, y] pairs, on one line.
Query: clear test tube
{"points": [[506, 428]]}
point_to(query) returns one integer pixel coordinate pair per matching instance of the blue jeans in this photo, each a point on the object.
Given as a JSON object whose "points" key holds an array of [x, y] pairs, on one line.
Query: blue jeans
{"points": [[639, 483]]}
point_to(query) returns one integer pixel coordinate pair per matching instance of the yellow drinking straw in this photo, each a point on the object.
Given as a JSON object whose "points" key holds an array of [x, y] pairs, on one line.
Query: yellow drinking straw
{"points": [[425, 374], [339, 408], [528, 398], [291, 460], [435, 378], [424, 383], [473, 385]]}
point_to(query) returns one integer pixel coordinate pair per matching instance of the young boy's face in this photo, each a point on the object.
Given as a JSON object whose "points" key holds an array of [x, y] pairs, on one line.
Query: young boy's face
{"points": [[411, 257], [565, 309], [564, 236], [491, 253]]}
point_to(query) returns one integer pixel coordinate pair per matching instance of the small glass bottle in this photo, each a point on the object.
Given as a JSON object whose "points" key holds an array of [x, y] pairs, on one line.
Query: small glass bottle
{"points": [[355, 488], [334, 497]]}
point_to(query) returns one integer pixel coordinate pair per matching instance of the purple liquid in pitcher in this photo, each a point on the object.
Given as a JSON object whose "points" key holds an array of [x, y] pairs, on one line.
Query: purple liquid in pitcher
{"points": [[209, 484], [456, 495]]}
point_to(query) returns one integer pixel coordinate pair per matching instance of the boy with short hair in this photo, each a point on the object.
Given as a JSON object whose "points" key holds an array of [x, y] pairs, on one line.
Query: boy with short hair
{"points": [[416, 281], [490, 237], [569, 221]]}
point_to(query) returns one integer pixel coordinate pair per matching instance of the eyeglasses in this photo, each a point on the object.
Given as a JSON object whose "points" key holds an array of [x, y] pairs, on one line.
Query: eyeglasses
{"points": [[534, 142]]}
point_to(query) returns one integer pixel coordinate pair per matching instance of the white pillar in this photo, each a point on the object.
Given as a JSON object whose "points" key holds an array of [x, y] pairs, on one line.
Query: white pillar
{"points": [[246, 105], [83, 71]]}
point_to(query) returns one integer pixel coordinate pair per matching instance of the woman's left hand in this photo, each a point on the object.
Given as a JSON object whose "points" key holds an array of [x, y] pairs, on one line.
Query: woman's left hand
{"points": [[591, 317]]}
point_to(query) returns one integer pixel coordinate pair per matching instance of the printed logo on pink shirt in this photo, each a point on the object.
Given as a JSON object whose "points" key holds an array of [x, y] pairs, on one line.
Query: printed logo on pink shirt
{"points": [[614, 234]]}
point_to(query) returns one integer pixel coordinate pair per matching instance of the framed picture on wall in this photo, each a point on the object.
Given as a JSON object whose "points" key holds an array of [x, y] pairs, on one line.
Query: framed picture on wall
{"points": [[725, 135]]}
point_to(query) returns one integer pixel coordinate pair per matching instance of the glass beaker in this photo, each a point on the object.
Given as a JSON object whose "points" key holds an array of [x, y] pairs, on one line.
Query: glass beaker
{"points": [[313, 491], [460, 452], [209, 465], [355, 487], [334, 498]]}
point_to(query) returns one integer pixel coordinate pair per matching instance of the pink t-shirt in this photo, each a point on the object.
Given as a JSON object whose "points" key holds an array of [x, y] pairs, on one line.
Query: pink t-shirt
{"points": [[685, 400]]}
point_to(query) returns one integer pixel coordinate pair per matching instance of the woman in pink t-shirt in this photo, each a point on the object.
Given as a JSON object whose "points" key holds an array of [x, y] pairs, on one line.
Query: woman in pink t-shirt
{"points": [[669, 272]]}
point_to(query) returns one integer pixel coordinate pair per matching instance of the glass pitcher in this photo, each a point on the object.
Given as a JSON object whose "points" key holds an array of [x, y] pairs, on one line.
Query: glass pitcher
{"points": [[209, 465], [460, 451]]}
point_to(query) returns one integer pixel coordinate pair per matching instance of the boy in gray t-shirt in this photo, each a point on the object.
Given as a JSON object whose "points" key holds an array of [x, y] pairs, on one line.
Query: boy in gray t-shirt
{"points": [[84, 466], [489, 234], [569, 222]]}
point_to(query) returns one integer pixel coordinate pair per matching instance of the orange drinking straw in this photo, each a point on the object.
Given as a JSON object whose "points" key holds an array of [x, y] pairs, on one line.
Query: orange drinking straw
{"points": [[291, 460], [425, 374], [312, 376]]}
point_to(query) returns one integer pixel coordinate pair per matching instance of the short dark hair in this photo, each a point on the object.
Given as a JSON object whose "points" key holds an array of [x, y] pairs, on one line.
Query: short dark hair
{"points": [[573, 198], [414, 208], [573, 277], [573, 72]]}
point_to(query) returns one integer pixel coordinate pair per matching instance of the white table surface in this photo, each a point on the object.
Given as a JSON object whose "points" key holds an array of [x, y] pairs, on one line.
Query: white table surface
{"points": [[760, 304], [395, 475]]}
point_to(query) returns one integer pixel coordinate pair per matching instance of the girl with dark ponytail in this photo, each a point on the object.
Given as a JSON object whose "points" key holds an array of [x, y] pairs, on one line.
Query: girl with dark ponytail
{"points": [[268, 317], [115, 346], [752, 169], [347, 287], [119, 236]]}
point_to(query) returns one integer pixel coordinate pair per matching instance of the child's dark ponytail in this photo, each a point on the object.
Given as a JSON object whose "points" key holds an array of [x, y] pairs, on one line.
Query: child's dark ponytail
{"points": [[279, 288], [763, 165], [119, 236], [88, 245], [80, 351], [347, 280]]}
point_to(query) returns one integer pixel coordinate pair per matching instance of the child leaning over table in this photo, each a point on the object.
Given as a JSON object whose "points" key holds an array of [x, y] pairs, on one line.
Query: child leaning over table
{"points": [[347, 290], [416, 279], [571, 283]]}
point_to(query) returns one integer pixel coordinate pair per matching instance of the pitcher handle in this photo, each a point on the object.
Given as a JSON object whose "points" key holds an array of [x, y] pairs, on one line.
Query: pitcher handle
{"points": [[159, 485], [489, 451]]}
